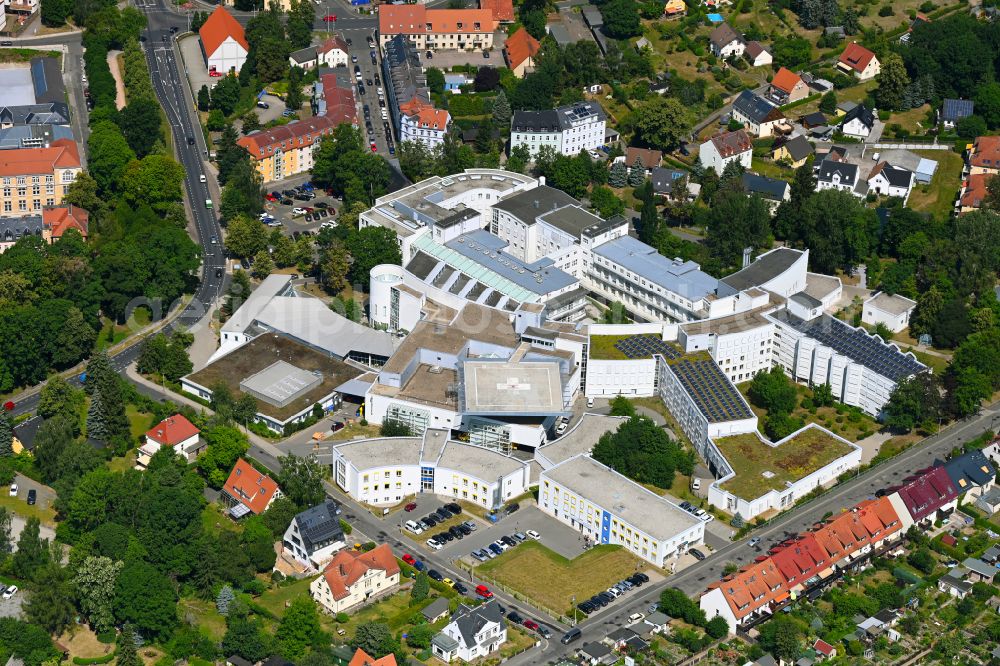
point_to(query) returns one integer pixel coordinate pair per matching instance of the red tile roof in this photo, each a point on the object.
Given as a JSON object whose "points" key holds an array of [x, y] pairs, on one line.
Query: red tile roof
{"points": [[248, 486], [61, 154], [985, 152], [60, 219], [362, 658], [785, 80], [926, 492], [823, 647], [801, 559], [856, 57], [294, 135], [427, 116], [171, 431], [335, 42], [417, 19], [348, 566], [220, 25], [752, 587], [520, 46], [732, 143], [975, 190], [503, 10], [650, 159], [340, 105]]}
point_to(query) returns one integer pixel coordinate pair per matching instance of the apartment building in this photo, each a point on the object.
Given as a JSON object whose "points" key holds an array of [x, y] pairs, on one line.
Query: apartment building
{"points": [[420, 121], [437, 29], [286, 150], [568, 129], [33, 178]]}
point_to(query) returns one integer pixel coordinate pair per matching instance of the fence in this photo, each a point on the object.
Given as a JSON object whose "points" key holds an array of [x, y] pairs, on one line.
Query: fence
{"points": [[930, 145], [555, 615]]}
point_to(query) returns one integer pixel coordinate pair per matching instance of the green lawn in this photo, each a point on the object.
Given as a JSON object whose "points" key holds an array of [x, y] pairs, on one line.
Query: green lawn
{"points": [[122, 463], [550, 579], [275, 598], [938, 198], [204, 614], [46, 515], [793, 460], [214, 520], [850, 423], [138, 422]]}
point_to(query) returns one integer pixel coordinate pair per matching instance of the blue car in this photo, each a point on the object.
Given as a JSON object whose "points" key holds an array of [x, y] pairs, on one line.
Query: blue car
{"points": [[308, 187], [419, 566], [495, 549]]}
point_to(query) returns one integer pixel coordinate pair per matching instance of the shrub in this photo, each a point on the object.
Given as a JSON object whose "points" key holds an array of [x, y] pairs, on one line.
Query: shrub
{"points": [[343, 618], [105, 659]]}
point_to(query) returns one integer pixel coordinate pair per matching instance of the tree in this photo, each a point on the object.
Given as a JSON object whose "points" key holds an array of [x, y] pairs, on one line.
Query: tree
{"points": [[301, 480], [246, 236], [51, 602], [140, 123], [262, 265], [246, 638], [225, 446], [622, 406], [299, 628], [676, 604], [621, 19], [822, 395], [226, 94], [892, 81], [618, 174], [145, 598], [243, 193], [717, 627], [32, 551], [204, 99], [55, 12], [420, 636], [637, 174], [828, 103], [126, 652], [922, 560], [106, 419], [661, 123], [155, 180], [421, 587], [95, 582], [216, 120], [435, 80], [501, 110], [6, 435], [334, 266], [375, 638], [109, 153], [6, 545], [772, 390], [487, 79], [293, 100], [782, 636], [245, 409], [370, 247], [644, 452], [987, 99], [605, 202]]}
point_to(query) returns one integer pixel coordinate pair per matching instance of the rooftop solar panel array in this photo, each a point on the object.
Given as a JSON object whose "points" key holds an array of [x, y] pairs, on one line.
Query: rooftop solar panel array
{"points": [[710, 389], [645, 346], [856, 344]]}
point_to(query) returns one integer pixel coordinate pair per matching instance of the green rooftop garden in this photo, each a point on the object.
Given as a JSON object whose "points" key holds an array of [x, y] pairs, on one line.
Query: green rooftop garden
{"points": [[794, 459]]}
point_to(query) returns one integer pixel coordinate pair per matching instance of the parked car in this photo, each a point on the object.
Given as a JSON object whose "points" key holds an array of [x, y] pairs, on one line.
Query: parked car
{"points": [[461, 589], [10, 592], [686, 506], [410, 507], [454, 507], [484, 592], [419, 565], [511, 508], [571, 635], [409, 559], [514, 617], [471, 525], [533, 534], [455, 532], [753, 542], [636, 617], [464, 529], [698, 555], [501, 545], [298, 211], [530, 624], [448, 581], [433, 574], [32, 496], [431, 520], [586, 607], [495, 549], [434, 543], [520, 536], [13, 490], [543, 631]]}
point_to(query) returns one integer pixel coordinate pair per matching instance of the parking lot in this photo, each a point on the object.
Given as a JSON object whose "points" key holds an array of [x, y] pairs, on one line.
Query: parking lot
{"points": [[294, 224], [445, 60]]}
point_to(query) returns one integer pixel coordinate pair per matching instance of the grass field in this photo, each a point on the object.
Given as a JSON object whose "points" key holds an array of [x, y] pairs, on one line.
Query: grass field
{"points": [[794, 459], [45, 515], [275, 598], [938, 198], [138, 422], [550, 579], [204, 614], [122, 463], [214, 520], [851, 424]]}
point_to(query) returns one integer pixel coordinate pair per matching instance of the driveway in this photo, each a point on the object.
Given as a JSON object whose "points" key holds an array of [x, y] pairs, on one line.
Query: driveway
{"points": [[45, 496], [445, 60], [194, 64]]}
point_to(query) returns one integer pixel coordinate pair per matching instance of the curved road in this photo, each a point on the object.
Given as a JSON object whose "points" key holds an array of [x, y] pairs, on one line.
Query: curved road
{"points": [[171, 92]]}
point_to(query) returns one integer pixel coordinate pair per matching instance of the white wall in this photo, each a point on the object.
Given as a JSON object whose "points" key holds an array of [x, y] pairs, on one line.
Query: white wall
{"points": [[229, 55], [714, 604]]}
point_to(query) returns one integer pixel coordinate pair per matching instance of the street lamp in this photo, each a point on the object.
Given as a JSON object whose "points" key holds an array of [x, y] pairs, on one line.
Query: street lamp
{"points": [[572, 601]]}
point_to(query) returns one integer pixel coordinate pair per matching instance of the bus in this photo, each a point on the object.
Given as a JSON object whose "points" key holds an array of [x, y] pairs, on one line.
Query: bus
{"points": [[208, 204]]}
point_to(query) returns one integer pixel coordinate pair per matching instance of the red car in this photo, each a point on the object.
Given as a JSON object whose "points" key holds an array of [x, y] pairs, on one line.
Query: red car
{"points": [[410, 507], [215, 73], [270, 197], [330, 18], [409, 559], [484, 592], [374, 148], [530, 624]]}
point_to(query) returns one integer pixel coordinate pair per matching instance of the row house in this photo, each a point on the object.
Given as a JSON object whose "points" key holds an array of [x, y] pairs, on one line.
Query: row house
{"points": [[437, 29]]}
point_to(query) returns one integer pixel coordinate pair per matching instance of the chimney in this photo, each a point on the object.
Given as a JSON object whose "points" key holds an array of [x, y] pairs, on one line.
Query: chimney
{"points": [[537, 203]]}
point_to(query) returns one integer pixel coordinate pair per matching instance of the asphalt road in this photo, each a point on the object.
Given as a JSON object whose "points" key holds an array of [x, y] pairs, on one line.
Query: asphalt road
{"points": [[172, 94]]}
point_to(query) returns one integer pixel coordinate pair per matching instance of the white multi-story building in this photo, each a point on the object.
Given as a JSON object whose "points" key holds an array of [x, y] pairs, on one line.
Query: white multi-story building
{"points": [[384, 471], [727, 147], [354, 578], [891, 310], [473, 633], [420, 121], [568, 129], [608, 508], [314, 535]]}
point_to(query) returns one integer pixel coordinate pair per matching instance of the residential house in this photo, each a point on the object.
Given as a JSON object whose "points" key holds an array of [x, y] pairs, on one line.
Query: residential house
{"points": [[858, 122], [758, 55], [758, 115], [568, 129], [971, 473], [664, 182], [333, 52], [795, 150], [891, 181], [926, 496], [871, 629], [314, 535], [674, 8], [362, 658], [502, 10], [436, 610], [989, 502], [771, 190], [891, 310], [973, 191], [859, 61], [248, 490], [420, 121], [979, 571], [725, 42], [833, 175], [454, 82], [223, 42], [617, 639], [724, 148], [984, 156], [814, 119], [304, 58], [596, 653], [437, 29], [657, 622], [954, 583], [787, 87], [353, 578], [953, 110], [34, 178], [286, 150], [57, 220], [475, 632], [520, 50], [824, 650], [175, 432], [649, 159]]}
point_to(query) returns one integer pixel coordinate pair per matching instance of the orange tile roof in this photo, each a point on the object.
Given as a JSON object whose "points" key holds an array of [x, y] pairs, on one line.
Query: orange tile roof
{"points": [[171, 431], [785, 80], [417, 19], [856, 57], [427, 116], [250, 487], [220, 25], [362, 658], [61, 154], [294, 135], [649, 158], [60, 219], [975, 190], [520, 46], [502, 10], [754, 586], [348, 566], [732, 143], [985, 152]]}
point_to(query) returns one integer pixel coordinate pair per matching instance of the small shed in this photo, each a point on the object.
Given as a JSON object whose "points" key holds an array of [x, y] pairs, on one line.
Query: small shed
{"points": [[925, 170], [435, 610]]}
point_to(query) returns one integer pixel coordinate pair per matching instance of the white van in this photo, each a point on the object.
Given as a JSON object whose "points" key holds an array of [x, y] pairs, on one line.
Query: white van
{"points": [[202, 178], [413, 527]]}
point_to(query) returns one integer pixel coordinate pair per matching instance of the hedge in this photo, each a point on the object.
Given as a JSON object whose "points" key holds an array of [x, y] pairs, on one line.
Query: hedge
{"points": [[83, 661]]}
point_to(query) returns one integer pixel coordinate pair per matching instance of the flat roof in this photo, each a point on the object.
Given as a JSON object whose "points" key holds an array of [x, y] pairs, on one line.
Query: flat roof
{"points": [[893, 304], [714, 395], [512, 387], [625, 499], [280, 383], [764, 268], [572, 219], [476, 461], [18, 88], [820, 286], [680, 277], [530, 204], [260, 353], [482, 248], [581, 438], [630, 347], [761, 467], [381, 451], [734, 323]]}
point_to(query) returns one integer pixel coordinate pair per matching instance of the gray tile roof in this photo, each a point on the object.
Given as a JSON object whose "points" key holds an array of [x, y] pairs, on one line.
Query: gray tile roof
{"points": [[471, 620], [755, 107], [320, 525], [828, 169], [767, 188], [530, 204], [970, 469], [435, 608], [798, 147]]}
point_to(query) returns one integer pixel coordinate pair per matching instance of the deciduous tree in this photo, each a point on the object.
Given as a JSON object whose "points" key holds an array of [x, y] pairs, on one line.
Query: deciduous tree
{"points": [[95, 582]]}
